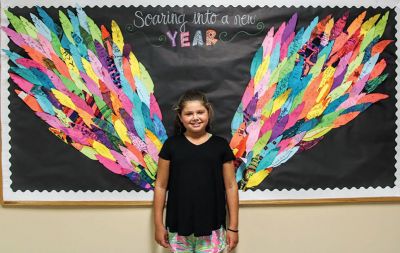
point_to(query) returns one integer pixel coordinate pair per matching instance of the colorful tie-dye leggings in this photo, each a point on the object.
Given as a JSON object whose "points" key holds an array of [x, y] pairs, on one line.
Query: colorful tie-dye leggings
{"points": [[214, 243]]}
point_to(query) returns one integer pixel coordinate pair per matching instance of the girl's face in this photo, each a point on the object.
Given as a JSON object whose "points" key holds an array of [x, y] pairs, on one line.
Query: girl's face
{"points": [[194, 116]]}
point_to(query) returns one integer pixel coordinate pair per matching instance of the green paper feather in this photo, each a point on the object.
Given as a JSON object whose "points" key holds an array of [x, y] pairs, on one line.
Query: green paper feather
{"points": [[15, 22], [380, 26], [261, 143], [94, 30], [29, 28], [367, 40], [372, 84], [67, 27]]}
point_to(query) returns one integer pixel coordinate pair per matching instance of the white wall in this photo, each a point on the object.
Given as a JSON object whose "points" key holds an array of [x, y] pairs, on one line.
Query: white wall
{"points": [[335, 228]]}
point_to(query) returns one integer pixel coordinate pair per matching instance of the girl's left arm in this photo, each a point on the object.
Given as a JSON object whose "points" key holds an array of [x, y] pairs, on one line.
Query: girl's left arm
{"points": [[232, 197]]}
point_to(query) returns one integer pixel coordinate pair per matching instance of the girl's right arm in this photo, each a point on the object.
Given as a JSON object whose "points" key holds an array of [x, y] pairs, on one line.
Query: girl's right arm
{"points": [[160, 189]]}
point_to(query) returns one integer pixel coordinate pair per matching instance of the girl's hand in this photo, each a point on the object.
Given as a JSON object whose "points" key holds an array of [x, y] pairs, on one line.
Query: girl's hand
{"points": [[161, 236], [232, 239]]}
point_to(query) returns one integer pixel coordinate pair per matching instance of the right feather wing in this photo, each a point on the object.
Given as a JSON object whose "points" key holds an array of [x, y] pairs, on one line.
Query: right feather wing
{"points": [[304, 84]]}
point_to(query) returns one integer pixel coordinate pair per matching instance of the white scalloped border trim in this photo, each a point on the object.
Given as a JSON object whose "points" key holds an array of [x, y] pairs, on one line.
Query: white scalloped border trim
{"points": [[5, 111], [278, 3], [5, 120], [9, 195]]}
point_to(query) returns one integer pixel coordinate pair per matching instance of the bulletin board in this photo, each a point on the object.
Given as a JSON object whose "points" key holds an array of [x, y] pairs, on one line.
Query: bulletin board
{"points": [[305, 94]]}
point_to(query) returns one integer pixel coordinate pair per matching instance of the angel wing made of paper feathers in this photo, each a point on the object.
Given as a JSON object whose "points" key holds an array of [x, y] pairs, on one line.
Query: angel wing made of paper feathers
{"points": [[304, 84], [88, 86]]}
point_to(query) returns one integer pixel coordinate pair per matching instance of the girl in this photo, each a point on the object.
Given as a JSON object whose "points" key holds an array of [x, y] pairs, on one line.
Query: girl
{"points": [[196, 168]]}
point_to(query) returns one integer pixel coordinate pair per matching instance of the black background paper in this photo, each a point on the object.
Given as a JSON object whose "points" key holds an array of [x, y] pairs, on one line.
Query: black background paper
{"points": [[359, 154]]}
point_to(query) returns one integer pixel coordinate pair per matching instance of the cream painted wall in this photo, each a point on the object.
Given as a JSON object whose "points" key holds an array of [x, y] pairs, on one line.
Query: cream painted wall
{"points": [[348, 228]]}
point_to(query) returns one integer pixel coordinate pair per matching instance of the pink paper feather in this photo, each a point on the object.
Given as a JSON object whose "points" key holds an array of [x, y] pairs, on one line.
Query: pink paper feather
{"points": [[267, 43], [15, 37], [253, 129], [90, 84], [22, 83], [112, 166], [248, 94], [122, 160], [294, 116], [154, 108]]}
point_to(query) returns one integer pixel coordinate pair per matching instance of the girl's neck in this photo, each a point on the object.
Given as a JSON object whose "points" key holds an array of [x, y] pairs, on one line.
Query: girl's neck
{"points": [[195, 135]]}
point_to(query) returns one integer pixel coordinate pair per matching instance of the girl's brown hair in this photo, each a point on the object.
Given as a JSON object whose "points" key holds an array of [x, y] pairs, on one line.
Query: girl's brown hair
{"points": [[191, 95]]}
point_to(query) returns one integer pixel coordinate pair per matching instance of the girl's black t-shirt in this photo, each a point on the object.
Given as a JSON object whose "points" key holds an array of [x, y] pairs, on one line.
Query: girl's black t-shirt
{"points": [[196, 202]]}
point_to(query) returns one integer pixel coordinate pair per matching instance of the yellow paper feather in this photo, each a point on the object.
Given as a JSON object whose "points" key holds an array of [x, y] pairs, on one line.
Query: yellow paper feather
{"points": [[63, 99], [316, 133], [117, 37], [257, 178], [69, 61], [326, 83], [122, 131], [317, 110], [89, 70], [103, 150], [279, 101], [328, 27], [261, 71], [154, 139], [369, 24], [134, 65]]}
